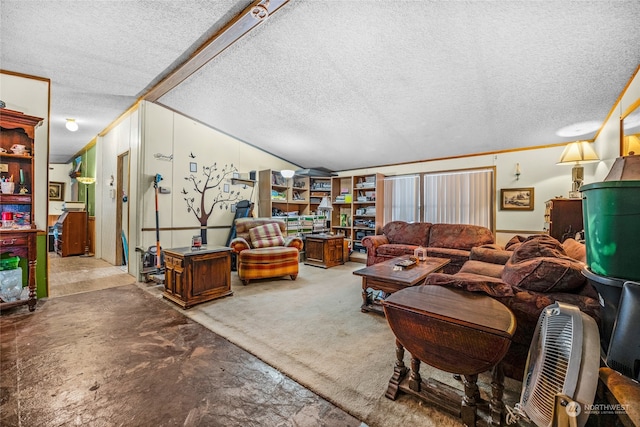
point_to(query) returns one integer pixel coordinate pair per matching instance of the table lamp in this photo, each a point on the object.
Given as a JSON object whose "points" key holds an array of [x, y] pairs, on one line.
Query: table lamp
{"points": [[574, 153]]}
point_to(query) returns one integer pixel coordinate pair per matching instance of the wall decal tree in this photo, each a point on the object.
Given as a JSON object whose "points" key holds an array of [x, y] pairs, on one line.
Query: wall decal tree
{"points": [[211, 179]]}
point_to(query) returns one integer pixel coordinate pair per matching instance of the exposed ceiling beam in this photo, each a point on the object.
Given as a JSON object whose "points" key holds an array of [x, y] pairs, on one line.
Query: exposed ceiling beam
{"points": [[246, 21]]}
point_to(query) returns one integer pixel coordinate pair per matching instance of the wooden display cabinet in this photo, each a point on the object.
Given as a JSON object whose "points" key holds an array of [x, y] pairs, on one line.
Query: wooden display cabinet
{"points": [[323, 250], [196, 276], [341, 215], [17, 140], [563, 218], [319, 188], [279, 196], [70, 232], [357, 209], [367, 212]]}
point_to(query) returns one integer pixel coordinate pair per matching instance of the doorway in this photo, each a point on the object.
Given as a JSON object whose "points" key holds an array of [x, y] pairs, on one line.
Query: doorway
{"points": [[122, 210]]}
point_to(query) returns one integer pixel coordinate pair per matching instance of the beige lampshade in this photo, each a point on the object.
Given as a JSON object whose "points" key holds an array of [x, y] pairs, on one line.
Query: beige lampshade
{"points": [[579, 151], [325, 204], [87, 180], [632, 144]]}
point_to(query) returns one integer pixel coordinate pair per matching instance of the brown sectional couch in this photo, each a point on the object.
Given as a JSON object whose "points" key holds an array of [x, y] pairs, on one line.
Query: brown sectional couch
{"points": [[453, 241], [527, 275]]}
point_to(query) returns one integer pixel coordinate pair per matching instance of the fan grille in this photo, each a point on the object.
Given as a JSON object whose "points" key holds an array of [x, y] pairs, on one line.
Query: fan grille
{"points": [[550, 373]]}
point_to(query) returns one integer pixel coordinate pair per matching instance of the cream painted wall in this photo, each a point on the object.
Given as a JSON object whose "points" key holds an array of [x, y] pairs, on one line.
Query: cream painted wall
{"points": [[60, 173], [608, 140], [165, 134], [31, 96], [148, 133], [122, 138], [538, 170]]}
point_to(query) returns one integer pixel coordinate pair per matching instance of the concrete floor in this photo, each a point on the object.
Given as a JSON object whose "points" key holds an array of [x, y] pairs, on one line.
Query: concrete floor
{"points": [[120, 357]]}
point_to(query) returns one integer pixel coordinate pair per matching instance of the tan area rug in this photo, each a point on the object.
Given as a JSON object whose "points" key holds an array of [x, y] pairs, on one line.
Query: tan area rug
{"points": [[312, 330]]}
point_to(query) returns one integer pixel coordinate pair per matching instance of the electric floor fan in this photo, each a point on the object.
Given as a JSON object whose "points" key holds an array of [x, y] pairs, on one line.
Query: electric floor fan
{"points": [[561, 374]]}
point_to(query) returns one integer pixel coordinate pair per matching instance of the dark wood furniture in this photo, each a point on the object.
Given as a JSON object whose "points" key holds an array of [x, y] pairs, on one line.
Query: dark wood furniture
{"points": [[563, 217], [22, 243], [387, 278], [17, 128], [195, 276], [70, 233], [323, 250], [455, 331]]}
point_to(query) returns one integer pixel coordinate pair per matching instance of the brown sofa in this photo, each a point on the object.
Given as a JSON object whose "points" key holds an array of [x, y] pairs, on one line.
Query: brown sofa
{"points": [[527, 275], [453, 241]]}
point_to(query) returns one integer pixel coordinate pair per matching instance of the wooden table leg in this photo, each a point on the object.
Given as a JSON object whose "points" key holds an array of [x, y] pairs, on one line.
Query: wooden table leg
{"points": [[414, 376], [32, 285], [469, 410], [365, 296], [497, 388], [399, 372]]}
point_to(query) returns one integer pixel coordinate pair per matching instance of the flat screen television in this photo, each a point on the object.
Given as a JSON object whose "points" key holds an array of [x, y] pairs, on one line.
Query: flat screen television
{"points": [[623, 353]]}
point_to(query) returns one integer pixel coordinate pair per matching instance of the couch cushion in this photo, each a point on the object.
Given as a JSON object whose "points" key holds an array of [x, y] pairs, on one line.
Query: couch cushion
{"points": [[540, 264], [471, 282], [244, 225], [400, 232], [490, 254], [483, 268], [545, 274], [575, 249], [266, 236], [459, 236], [514, 242], [538, 245], [273, 255], [391, 250]]}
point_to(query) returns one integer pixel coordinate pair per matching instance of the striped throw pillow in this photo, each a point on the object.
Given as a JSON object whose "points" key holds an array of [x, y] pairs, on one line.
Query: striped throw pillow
{"points": [[266, 236]]}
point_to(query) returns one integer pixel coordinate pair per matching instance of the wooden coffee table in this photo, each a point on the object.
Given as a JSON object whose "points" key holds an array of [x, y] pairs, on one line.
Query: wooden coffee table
{"points": [[383, 277]]}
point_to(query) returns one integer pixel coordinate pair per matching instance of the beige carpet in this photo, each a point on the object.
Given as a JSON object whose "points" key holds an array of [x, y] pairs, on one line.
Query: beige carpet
{"points": [[312, 330]]}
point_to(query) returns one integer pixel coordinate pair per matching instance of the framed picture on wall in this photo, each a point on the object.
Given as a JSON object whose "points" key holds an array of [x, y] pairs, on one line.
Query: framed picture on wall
{"points": [[56, 190], [517, 199]]}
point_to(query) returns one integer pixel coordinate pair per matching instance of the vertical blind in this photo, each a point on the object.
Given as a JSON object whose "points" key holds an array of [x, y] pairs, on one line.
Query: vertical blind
{"points": [[462, 197], [402, 198]]}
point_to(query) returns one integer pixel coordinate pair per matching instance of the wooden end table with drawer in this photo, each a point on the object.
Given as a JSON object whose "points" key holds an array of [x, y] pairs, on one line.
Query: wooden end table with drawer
{"points": [[323, 250], [195, 276]]}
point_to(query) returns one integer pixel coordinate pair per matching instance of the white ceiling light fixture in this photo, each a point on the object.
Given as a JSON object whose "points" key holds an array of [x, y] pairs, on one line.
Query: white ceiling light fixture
{"points": [[71, 125], [287, 173], [579, 129]]}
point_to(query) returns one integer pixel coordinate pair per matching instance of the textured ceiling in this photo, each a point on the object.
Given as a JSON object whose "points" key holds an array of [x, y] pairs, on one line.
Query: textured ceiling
{"points": [[339, 84]]}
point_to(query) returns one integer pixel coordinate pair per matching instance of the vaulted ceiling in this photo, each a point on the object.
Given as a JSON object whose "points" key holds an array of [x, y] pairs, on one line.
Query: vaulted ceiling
{"points": [[338, 84]]}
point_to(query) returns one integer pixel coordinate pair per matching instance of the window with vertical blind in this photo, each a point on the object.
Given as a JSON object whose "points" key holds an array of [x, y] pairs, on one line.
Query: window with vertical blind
{"points": [[402, 198], [454, 197], [460, 197]]}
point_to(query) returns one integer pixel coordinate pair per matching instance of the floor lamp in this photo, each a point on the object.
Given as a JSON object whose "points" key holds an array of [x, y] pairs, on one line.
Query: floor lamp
{"points": [[87, 181]]}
